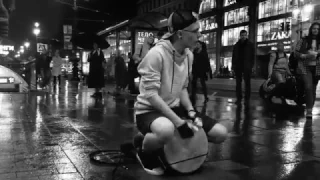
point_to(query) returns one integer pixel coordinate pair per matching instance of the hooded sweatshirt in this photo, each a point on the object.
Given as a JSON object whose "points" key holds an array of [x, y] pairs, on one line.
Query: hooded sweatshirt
{"points": [[164, 72]]}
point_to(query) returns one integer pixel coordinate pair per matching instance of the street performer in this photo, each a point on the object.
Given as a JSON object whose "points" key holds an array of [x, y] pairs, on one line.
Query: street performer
{"points": [[164, 99]]}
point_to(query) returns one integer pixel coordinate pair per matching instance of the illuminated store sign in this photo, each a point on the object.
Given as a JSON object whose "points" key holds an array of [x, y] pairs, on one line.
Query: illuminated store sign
{"points": [[229, 2], [280, 35], [4, 49], [274, 44], [6, 80], [141, 35]]}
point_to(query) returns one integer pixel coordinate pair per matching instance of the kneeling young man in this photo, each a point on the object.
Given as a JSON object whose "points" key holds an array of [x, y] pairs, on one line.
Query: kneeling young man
{"points": [[163, 88]]}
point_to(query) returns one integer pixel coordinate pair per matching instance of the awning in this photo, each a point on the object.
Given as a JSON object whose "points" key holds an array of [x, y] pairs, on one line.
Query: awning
{"points": [[150, 20]]}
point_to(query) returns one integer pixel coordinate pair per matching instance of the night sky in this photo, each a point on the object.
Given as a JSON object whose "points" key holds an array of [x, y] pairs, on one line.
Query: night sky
{"points": [[52, 15]]}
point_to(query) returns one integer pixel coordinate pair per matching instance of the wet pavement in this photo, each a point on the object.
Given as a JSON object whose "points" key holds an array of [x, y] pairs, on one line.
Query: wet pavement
{"points": [[50, 135]]}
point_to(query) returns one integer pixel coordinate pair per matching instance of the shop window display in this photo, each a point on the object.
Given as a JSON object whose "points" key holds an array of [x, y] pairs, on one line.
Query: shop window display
{"points": [[231, 36], [208, 24], [274, 7], [274, 30], [229, 2], [207, 5], [236, 16]]}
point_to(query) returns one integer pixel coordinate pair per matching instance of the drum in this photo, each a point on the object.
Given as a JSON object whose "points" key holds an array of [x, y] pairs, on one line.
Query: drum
{"points": [[185, 155]]}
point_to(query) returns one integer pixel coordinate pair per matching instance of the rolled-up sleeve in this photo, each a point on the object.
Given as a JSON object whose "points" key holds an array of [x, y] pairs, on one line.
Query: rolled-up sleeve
{"points": [[150, 71]]}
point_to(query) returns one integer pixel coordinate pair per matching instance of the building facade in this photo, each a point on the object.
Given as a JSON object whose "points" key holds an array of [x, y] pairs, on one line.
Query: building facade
{"points": [[267, 22]]}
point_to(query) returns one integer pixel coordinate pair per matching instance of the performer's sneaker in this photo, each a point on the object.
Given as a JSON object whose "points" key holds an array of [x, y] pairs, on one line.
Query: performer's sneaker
{"points": [[150, 163]]}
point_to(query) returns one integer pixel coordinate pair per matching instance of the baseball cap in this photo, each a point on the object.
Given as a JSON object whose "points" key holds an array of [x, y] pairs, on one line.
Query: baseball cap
{"points": [[180, 20]]}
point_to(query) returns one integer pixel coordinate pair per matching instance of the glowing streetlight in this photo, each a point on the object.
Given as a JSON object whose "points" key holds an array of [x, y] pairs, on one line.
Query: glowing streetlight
{"points": [[36, 31], [27, 44]]}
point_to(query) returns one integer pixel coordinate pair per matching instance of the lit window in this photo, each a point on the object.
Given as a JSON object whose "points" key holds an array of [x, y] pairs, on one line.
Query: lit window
{"points": [[274, 7], [274, 30], [229, 2], [236, 16], [208, 24], [231, 36], [207, 5]]}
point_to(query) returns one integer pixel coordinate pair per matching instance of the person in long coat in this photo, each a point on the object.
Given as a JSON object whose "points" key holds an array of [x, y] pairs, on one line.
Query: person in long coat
{"points": [[56, 67], [96, 70]]}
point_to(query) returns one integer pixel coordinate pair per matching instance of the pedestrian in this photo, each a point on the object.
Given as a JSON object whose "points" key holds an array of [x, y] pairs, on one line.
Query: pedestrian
{"points": [[44, 68], [96, 71], [120, 73], [278, 68], [56, 67], [307, 52], [164, 98], [132, 74], [141, 51], [200, 69], [242, 65]]}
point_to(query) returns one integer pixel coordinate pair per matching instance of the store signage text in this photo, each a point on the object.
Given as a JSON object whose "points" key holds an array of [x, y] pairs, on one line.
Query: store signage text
{"points": [[140, 36], [273, 44], [280, 35], [4, 49], [6, 80]]}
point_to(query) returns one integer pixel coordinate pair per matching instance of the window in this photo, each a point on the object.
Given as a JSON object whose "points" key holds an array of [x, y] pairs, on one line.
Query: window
{"points": [[207, 5], [229, 2], [274, 7], [274, 30], [208, 23], [210, 39], [236, 16], [231, 36]]}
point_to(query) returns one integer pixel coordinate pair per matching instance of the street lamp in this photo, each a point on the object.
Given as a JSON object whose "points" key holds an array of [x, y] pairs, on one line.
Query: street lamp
{"points": [[36, 32], [27, 44]]}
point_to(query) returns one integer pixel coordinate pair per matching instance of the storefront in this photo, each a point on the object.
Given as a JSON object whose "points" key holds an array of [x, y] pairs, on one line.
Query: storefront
{"points": [[235, 20], [274, 26], [208, 27], [126, 37]]}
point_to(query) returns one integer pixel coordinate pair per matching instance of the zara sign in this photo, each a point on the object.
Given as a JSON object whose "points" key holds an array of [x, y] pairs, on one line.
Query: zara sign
{"points": [[280, 35]]}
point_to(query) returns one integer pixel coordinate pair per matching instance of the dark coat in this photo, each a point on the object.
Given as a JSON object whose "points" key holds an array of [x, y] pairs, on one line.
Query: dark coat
{"points": [[201, 64], [96, 70], [243, 56]]}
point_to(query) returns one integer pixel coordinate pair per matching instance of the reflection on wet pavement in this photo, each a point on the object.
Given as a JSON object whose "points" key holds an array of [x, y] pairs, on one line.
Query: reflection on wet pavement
{"points": [[50, 135]]}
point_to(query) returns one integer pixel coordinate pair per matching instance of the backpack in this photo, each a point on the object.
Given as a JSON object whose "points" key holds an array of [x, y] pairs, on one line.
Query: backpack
{"points": [[277, 57]]}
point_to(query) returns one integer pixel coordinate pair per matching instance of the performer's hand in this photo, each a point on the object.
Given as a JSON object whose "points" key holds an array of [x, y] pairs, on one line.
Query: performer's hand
{"points": [[185, 131], [194, 116]]}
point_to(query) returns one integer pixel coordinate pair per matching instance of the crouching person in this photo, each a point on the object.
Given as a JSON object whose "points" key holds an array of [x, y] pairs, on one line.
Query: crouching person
{"points": [[163, 89]]}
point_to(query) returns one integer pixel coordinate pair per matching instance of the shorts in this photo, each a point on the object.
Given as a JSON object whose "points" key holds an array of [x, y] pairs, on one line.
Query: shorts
{"points": [[144, 121]]}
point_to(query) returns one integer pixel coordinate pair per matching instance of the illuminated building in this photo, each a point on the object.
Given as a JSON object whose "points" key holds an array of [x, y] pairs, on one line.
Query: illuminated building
{"points": [[267, 22]]}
